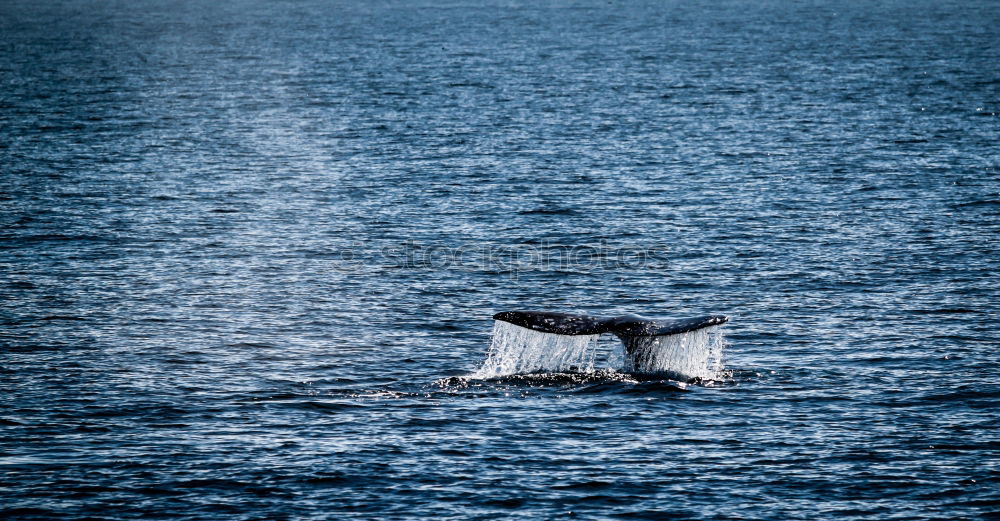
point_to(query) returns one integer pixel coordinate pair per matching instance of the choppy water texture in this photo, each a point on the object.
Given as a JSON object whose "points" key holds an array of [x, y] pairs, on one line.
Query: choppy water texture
{"points": [[226, 294]]}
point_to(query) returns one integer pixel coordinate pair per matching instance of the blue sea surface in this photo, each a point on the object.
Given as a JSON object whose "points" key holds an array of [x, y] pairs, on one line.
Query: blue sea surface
{"points": [[250, 251]]}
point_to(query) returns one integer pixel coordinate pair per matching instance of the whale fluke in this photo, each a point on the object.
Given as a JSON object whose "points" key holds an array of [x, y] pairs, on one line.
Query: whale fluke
{"points": [[621, 326], [650, 345], [632, 325], [557, 323]]}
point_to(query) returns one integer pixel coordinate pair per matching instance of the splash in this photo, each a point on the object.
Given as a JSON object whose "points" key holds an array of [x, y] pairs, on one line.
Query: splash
{"points": [[517, 350], [696, 354]]}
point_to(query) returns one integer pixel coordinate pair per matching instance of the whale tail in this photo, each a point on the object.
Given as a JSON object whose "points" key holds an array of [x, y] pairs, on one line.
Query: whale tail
{"points": [[621, 326], [650, 345]]}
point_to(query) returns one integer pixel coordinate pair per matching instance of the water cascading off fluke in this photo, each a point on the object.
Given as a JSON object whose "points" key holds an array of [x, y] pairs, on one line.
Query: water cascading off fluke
{"points": [[519, 350], [545, 342]]}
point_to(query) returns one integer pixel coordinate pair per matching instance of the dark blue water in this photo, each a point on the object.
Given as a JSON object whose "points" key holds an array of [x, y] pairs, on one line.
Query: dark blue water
{"points": [[229, 286]]}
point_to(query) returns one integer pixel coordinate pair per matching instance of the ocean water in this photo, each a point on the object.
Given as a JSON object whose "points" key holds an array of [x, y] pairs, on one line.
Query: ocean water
{"points": [[249, 252]]}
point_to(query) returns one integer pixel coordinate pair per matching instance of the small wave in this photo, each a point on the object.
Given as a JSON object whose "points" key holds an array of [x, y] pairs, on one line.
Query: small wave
{"points": [[257, 345], [473, 84], [585, 485], [942, 311], [982, 202], [974, 398], [506, 503], [548, 211], [59, 237], [25, 512], [327, 479], [62, 317], [653, 515], [961, 395]]}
